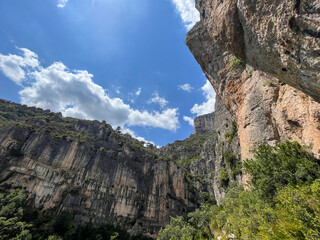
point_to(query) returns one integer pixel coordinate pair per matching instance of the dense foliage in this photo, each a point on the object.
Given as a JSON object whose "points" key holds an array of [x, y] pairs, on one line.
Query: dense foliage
{"points": [[273, 168], [11, 212], [17, 222], [283, 201], [196, 228]]}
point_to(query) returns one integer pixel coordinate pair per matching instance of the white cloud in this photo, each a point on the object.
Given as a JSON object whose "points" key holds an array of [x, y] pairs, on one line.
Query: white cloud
{"points": [[62, 3], [189, 120], [208, 105], [138, 92], [159, 100], [185, 87], [13, 66], [167, 119], [73, 93], [132, 134], [187, 11]]}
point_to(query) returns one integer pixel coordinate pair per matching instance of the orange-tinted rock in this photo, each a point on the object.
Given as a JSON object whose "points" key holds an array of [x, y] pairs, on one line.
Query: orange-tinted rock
{"points": [[265, 109]]}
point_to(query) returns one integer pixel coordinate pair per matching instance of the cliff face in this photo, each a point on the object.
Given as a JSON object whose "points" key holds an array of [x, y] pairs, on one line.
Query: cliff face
{"points": [[89, 169], [211, 158], [227, 151], [204, 124], [280, 38], [252, 86]]}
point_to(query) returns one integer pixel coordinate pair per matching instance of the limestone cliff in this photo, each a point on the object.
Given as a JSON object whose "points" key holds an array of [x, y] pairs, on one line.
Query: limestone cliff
{"points": [[280, 38], [87, 168], [204, 123], [276, 44], [211, 158]]}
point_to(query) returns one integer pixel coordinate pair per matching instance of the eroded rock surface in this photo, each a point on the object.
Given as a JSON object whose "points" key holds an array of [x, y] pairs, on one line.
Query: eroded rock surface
{"points": [[204, 123], [214, 149], [280, 38], [87, 168], [265, 108]]}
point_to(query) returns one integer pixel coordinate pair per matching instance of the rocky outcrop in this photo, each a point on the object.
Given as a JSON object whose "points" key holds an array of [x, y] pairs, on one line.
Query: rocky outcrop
{"points": [[212, 157], [253, 86], [280, 38], [204, 124], [87, 168], [227, 151]]}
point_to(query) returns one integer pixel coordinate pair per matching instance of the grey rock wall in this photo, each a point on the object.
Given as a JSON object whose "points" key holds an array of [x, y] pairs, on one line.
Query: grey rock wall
{"points": [[204, 124]]}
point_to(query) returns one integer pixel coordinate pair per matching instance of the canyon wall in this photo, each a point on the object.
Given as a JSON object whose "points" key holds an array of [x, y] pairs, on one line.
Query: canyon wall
{"points": [[241, 47], [212, 156], [204, 123], [280, 38], [87, 168]]}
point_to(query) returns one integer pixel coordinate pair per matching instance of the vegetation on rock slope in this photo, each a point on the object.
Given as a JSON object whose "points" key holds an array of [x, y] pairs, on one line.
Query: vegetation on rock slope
{"points": [[187, 153], [19, 222], [283, 203], [40, 225]]}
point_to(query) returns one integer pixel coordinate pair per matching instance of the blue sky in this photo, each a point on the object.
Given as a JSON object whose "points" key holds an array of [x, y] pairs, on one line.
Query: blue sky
{"points": [[123, 61]]}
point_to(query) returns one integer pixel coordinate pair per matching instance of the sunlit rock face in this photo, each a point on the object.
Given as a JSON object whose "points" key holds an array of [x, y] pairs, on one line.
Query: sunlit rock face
{"points": [[280, 38], [277, 49], [204, 124], [85, 167]]}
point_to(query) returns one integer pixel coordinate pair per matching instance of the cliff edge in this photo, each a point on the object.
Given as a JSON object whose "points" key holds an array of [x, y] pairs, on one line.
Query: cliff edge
{"points": [[262, 58]]}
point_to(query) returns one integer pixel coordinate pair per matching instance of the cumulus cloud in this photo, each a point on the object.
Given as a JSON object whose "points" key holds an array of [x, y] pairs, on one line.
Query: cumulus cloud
{"points": [[189, 120], [14, 67], [132, 134], [185, 87], [208, 105], [62, 3], [167, 119], [159, 100], [138, 92], [187, 11], [73, 93]]}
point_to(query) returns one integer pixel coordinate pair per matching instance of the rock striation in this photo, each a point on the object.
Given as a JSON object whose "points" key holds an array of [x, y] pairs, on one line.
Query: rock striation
{"points": [[87, 168], [280, 38], [204, 124], [211, 158], [242, 47]]}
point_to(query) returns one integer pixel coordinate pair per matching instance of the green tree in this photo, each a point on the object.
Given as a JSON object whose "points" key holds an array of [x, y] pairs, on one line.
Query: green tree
{"points": [[241, 213], [200, 220], [224, 178], [298, 214], [54, 237], [11, 212], [177, 229], [284, 200], [273, 168]]}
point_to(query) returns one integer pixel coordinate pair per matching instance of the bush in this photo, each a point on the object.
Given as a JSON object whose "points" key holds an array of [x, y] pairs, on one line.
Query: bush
{"points": [[236, 63], [11, 224], [298, 214], [232, 133], [178, 229], [273, 168], [224, 177], [196, 228], [284, 201]]}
